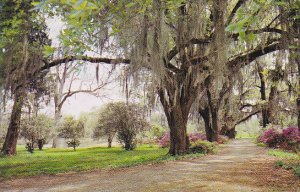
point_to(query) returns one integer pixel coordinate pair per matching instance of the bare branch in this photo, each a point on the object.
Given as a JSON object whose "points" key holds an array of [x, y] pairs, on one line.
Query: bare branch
{"points": [[246, 118]]}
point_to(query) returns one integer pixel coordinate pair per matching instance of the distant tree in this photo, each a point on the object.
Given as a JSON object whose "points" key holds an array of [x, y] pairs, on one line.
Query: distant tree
{"points": [[37, 130], [125, 120], [72, 129]]}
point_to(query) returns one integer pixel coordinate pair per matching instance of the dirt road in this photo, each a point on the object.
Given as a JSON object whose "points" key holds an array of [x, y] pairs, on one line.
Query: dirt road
{"points": [[240, 167]]}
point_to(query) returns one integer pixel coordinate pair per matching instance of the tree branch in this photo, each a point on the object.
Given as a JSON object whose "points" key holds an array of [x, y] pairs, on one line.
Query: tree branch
{"points": [[56, 62], [250, 56], [234, 10], [246, 118]]}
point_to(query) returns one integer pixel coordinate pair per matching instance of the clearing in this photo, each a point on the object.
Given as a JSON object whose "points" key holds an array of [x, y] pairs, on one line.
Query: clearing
{"points": [[240, 166]]}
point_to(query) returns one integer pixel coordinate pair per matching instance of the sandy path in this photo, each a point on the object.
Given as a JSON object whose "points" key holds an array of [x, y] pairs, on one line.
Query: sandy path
{"points": [[240, 167]]}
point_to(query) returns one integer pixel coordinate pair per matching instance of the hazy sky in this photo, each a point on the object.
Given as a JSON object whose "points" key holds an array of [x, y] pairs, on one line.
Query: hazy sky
{"points": [[83, 102]]}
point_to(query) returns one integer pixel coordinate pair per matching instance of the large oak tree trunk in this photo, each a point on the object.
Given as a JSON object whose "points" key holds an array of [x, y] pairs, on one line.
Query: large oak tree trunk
{"points": [[177, 117], [215, 124], [10, 144], [231, 133], [179, 141], [210, 117]]}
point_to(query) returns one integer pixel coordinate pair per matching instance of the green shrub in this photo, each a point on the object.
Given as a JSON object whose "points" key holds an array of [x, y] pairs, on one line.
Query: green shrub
{"points": [[289, 161], [29, 147], [73, 143], [260, 144], [297, 170], [279, 164], [127, 138], [202, 147]]}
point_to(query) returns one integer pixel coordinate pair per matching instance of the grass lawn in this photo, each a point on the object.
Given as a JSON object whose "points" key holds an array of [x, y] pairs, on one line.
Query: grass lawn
{"points": [[288, 160], [52, 161]]}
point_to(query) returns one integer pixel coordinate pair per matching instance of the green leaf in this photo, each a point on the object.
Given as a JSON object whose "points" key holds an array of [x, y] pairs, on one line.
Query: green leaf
{"points": [[130, 4], [48, 50], [242, 35], [251, 36]]}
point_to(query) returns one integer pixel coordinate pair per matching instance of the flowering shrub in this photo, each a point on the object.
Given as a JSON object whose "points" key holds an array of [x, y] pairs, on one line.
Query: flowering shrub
{"points": [[288, 139], [201, 146], [291, 134], [193, 137], [164, 141], [270, 137]]}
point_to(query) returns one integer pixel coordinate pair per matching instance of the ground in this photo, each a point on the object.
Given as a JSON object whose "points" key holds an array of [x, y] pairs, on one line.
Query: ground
{"points": [[240, 166]]}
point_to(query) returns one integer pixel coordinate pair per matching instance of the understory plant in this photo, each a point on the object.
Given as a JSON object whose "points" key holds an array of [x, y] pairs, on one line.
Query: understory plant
{"points": [[198, 143], [287, 139], [203, 146]]}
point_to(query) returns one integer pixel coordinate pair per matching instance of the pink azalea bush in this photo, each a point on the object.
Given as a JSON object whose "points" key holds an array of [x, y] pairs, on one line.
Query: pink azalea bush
{"points": [[164, 141], [291, 134], [193, 137], [288, 138]]}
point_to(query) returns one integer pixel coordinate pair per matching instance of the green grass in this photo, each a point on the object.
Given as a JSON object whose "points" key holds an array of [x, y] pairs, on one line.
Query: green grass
{"points": [[53, 161], [288, 160], [284, 154]]}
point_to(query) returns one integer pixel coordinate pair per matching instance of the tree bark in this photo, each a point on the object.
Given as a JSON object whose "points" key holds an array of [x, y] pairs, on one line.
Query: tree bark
{"points": [[213, 109], [205, 114], [298, 96], [265, 113], [109, 140], [215, 124], [179, 141], [177, 117], [10, 144], [231, 133]]}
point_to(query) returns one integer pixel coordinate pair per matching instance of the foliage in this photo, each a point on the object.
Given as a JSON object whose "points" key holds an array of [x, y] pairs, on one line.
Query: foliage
{"points": [[198, 143], [193, 137], [29, 147], [288, 160], [201, 146], [73, 143], [22, 37], [172, 44], [71, 129], [164, 142], [297, 170], [291, 134], [157, 131], [127, 137], [37, 130], [125, 120], [288, 139]]}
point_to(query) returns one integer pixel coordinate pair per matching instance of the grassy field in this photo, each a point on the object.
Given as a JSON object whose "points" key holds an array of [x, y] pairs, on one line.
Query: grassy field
{"points": [[288, 160], [53, 161]]}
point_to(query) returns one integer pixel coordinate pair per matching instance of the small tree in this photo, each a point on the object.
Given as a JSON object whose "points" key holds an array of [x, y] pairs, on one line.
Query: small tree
{"points": [[37, 130], [72, 129], [124, 120]]}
